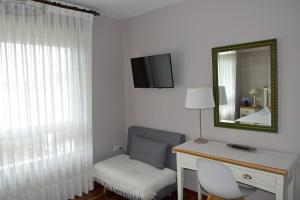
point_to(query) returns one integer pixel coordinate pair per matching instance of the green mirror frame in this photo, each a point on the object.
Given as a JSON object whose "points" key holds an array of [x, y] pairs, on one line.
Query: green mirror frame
{"points": [[272, 43]]}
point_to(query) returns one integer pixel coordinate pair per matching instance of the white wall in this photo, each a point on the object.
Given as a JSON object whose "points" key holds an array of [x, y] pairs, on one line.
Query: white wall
{"points": [[189, 30], [108, 87]]}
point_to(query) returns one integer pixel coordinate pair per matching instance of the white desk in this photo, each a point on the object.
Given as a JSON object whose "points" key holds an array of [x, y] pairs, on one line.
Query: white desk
{"points": [[268, 170]]}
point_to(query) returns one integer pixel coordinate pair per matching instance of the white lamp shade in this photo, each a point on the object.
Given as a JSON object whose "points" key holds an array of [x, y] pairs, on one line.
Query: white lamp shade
{"points": [[222, 96], [253, 91], [199, 98]]}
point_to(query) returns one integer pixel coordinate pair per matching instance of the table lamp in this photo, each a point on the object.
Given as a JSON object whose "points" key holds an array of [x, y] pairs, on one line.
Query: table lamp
{"points": [[254, 92], [199, 99], [222, 96]]}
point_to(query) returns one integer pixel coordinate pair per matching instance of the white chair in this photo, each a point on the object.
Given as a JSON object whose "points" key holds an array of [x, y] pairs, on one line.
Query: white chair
{"points": [[218, 181]]}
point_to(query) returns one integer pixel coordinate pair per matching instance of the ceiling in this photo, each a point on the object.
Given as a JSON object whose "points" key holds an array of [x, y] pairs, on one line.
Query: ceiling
{"points": [[123, 9]]}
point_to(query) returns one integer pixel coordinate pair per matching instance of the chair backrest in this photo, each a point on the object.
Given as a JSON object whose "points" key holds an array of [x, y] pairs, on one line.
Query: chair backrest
{"points": [[217, 179]]}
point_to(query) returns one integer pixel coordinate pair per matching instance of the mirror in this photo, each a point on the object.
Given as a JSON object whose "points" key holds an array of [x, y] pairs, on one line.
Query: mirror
{"points": [[245, 86]]}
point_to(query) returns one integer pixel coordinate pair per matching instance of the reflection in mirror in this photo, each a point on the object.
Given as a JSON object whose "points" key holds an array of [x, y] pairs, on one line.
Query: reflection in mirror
{"points": [[244, 86]]}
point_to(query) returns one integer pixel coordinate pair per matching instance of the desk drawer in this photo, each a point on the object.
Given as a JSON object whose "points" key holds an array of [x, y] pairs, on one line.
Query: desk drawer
{"points": [[241, 174], [188, 161], [251, 177]]}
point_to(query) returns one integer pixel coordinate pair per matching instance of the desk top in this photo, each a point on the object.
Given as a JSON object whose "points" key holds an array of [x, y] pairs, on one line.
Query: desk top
{"points": [[264, 160]]}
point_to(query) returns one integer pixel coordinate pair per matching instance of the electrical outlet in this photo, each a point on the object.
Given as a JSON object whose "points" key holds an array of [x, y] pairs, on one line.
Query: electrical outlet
{"points": [[117, 147]]}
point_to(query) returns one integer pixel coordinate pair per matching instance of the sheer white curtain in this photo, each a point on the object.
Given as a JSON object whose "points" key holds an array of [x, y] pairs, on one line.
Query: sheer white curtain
{"points": [[45, 104], [227, 78]]}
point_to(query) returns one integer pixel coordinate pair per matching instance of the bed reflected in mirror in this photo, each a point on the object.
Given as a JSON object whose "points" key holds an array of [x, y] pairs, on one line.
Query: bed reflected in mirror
{"points": [[245, 86]]}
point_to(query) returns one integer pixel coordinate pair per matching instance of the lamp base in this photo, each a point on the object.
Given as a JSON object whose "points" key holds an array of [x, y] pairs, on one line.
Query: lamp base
{"points": [[200, 141]]}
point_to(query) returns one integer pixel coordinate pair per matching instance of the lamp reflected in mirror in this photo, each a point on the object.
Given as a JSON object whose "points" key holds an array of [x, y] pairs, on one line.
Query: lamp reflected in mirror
{"points": [[254, 92], [222, 96]]}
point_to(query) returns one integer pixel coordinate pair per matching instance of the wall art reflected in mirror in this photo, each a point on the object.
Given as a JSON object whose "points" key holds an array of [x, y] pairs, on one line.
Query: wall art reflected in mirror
{"points": [[245, 86]]}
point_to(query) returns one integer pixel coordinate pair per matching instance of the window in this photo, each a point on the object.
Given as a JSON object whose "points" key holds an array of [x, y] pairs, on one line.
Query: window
{"points": [[35, 100]]}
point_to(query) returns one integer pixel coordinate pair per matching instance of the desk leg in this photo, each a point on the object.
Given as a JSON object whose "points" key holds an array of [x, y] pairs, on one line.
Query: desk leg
{"points": [[280, 189], [179, 180], [199, 190], [291, 188]]}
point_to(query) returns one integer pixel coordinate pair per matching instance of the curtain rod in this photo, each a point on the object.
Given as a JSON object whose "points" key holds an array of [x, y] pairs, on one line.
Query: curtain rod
{"points": [[52, 3]]}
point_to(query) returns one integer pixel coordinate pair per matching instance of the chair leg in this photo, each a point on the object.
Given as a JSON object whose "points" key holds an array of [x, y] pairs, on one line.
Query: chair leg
{"points": [[212, 197], [217, 198]]}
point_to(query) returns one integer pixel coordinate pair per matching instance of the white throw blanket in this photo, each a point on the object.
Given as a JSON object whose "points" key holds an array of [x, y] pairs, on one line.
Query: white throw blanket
{"points": [[131, 178]]}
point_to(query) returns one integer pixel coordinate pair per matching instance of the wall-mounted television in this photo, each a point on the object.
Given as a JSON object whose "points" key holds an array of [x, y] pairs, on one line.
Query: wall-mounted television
{"points": [[152, 71]]}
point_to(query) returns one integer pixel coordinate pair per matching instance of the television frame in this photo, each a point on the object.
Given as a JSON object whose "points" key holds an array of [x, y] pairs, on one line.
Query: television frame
{"points": [[171, 69]]}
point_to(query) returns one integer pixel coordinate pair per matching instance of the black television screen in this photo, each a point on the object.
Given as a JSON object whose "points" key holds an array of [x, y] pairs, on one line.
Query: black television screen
{"points": [[152, 71]]}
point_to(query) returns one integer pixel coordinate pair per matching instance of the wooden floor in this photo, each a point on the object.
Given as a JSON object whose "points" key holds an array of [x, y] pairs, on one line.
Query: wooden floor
{"points": [[99, 194]]}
